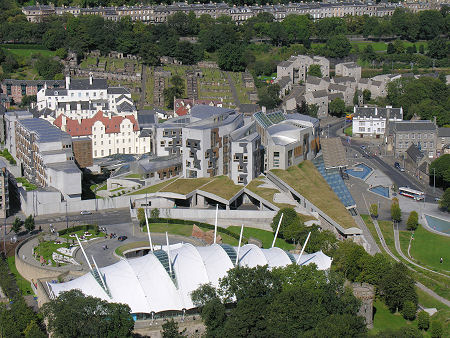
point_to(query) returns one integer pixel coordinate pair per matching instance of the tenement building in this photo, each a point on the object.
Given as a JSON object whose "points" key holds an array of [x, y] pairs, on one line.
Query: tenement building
{"points": [[45, 155], [4, 190]]}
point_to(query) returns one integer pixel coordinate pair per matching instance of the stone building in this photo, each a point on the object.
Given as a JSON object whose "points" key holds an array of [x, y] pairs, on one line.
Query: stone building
{"points": [[17, 89], [443, 142], [348, 69], [366, 294]]}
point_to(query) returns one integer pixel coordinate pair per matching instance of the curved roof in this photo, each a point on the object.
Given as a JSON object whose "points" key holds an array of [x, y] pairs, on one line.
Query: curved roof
{"points": [[146, 284]]}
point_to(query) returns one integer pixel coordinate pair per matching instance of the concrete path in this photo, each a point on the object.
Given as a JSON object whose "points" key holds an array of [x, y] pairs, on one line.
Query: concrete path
{"points": [[143, 87], [419, 285], [373, 247], [237, 102]]}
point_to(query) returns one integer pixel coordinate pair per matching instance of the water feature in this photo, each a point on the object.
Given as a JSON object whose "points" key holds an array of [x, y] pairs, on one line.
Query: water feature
{"points": [[360, 171], [438, 224], [380, 190]]}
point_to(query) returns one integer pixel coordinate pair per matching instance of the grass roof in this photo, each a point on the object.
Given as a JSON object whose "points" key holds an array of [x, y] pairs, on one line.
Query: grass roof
{"points": [[307, 181], [222, 186], [184, 186]]}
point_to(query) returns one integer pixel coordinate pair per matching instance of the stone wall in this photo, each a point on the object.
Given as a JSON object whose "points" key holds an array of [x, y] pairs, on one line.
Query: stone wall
{"points": [[366, 293]]}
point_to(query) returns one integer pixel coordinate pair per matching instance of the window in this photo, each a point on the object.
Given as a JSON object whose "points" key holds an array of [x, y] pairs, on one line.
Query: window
{"points": [[362, 129], [412, 136], [245, 159], [276, 154], [95, 152], [400, 136], [240, 179], [102, 152], [240, 168], [191, 154], [206, 154], [418, 136]]}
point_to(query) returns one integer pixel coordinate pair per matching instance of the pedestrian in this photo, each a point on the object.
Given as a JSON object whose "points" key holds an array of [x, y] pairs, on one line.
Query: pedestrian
{"points": [[442, 260]]}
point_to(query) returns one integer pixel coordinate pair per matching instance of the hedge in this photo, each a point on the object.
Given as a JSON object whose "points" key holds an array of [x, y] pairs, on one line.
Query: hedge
{"points": [[85, 227], [200, 224]]}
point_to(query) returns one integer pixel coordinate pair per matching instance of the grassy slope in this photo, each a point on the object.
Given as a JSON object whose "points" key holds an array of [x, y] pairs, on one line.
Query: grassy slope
{"points": [[222, 186], [427, 248], [185, 186], [22, 283], [152, 188], [384, 319], [307, 181]]}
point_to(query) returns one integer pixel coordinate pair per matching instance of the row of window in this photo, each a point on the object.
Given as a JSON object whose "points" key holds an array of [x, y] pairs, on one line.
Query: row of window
{"points": [[413, 136], [103, 153]]}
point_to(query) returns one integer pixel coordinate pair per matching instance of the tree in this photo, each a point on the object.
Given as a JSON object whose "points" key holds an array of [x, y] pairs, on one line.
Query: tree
{"points": [[423, 320], [413, 221], [175, 91], [431, 24], [27, 100], [397, 286], [409, 310], [231, 57], [269, 96], [54, 38], [438, 48], [348, 259], [33, 331], [373, 210], [154, 213], [390, 48], [444, 203], [290, 218], [17, 225], [150, 54], [73, 314], [186, 52], [366, 95], [314, 70], [61, 53], [436, 329], [440, 167], [47, 67], [29, 223], [421, 49], [9, 64], [141, 216], [170, 329], [396, 213], [337, 107], [338, 46]]}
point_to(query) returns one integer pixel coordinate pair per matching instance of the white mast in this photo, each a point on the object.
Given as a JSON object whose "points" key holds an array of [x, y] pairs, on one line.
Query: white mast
{"points": [[148, 230], [215, 224], [168, 254], [303, 249], [239, 247], [99, 274], [278, 229], [84, 253]]}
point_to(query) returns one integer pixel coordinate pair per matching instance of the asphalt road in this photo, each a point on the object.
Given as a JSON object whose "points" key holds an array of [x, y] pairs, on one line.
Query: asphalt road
{"points": [[399, 178]]}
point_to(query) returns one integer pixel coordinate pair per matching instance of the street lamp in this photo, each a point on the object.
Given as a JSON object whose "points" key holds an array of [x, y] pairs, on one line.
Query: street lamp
{"points": [[434, 180]]}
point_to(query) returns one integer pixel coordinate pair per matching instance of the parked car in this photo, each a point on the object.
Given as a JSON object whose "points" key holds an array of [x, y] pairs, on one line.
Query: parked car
{"points": [[122, 238], [85, 212], [398, 167], [363, 147]]}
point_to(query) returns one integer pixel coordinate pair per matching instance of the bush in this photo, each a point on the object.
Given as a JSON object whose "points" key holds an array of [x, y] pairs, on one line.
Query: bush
{"points": [[423, 320], [413, 221], [396, 213], [436, 329], [373, 210], [84, 227], [409, 310]]}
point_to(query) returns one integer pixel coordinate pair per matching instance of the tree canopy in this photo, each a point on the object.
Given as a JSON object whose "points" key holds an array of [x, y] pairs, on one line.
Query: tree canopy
{"points": [[73, 314]]}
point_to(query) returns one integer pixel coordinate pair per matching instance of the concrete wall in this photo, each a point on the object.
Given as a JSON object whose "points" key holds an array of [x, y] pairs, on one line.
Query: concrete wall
{"points": [[30, 271], [254, 218]]}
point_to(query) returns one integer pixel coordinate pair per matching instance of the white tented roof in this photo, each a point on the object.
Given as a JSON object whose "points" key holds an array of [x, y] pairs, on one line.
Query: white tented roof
{"points": [[147, 285]]}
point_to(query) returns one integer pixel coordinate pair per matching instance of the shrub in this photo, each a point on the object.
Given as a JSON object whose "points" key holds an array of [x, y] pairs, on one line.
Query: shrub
{"points": [[409, 310], [423, 320], [373, 210], [436, 329], [413, 221]]}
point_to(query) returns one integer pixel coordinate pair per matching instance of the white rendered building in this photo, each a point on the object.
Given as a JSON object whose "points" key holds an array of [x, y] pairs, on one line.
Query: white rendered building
{"points": [[83, 98], [373, 121]]}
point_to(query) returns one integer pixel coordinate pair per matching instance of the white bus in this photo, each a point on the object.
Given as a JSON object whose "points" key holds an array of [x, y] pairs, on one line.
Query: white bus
{"points": [[408, 192]]}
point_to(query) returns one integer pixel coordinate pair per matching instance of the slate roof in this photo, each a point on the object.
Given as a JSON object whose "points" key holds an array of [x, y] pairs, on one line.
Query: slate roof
{"points": [[203, 112], [284, 81], [421, 125], [378, 112], [284, 64], [343, 79], [338, 87], [84, 84], [333, 96], [333, 153], [313, 80], [44, 130], [146, 119], [414, 153], [319, 93], [444, 132], [117, 90]]}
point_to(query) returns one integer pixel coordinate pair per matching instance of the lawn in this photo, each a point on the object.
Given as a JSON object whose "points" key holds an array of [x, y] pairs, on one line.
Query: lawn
{"points": [[27, 185], [308, 182], [368, 220], [26, 51], [46, 249], [349, 130], [222, 186], [153, 188], [263, 235], [427, 248], [81, 233], [443, 313], [22, 283], [264, 192], [384, 319], [184, 186], [133, 176]]}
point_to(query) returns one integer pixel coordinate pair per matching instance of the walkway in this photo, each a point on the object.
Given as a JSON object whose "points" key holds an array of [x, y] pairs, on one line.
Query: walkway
{"points": [[237, 102], [419, 285], [143, 87], [373, 247]]}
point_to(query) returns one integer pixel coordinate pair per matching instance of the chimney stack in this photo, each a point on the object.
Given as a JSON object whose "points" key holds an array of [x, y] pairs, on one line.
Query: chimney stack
{"points": [[67, 81], [91, 78]]}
